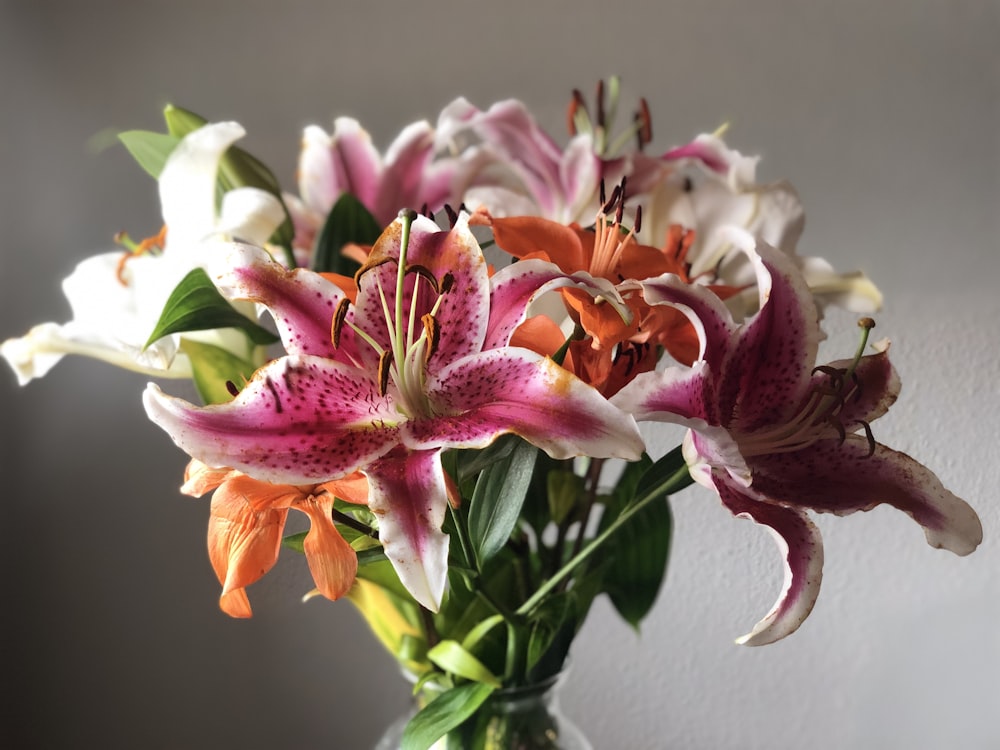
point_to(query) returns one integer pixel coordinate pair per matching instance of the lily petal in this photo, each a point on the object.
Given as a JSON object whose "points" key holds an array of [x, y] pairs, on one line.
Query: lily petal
{"points": [[187, 182], [802, 549], [302, 303], [409, 497], [332, 561], [300, 419], [841, 479], [519, 391], [244, 538]]}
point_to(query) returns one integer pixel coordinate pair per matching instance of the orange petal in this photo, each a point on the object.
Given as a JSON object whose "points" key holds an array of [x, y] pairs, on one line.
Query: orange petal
{"points": [[527, 235], [332, 561], [243, 540], [200, 478], [351, 489]]}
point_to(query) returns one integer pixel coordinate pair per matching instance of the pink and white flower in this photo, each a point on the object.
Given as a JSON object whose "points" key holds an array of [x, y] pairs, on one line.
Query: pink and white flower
{"points": [[776, 437], [418, 364]]}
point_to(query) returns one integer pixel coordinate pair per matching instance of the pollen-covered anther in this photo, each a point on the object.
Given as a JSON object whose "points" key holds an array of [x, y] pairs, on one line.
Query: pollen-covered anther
{"points": [[339, 316], [433, 333], [384, 369]]}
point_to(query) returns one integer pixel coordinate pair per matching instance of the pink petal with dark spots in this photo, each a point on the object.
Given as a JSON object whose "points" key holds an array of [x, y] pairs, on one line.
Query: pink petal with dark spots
{"points": [[873, 388], [802, 549], [407, 493], [834, 478], [516, 390], [767, 372], [301, 302], [300, 420]]}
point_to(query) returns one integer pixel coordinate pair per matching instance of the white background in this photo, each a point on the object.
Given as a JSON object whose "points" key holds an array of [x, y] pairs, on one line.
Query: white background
{"points": [[884, 115]]}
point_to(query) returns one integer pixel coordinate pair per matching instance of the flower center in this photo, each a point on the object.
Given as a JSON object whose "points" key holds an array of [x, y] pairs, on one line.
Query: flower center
{"points": [[819, 416], [403, 364]]}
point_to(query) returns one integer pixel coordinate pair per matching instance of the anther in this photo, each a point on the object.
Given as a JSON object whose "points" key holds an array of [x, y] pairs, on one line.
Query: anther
{"points": [[637, 225], [339, 316], [447, 282], [868, 435], [233, 390], [600, 103], [433, 332], [384, 365], [644, 123], [866, 323], [452, 215]]}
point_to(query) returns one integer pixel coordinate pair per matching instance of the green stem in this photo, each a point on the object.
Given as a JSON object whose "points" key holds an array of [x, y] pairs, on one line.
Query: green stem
{"points": [[679, 479]]}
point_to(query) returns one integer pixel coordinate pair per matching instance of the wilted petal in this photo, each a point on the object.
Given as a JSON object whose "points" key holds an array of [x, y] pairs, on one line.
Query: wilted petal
{"points": [[802, 549], [299, 420], [244, 537], [409, 498]]}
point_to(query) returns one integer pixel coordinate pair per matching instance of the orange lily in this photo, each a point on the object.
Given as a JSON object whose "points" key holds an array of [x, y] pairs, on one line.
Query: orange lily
{"points": [[247, 523]]}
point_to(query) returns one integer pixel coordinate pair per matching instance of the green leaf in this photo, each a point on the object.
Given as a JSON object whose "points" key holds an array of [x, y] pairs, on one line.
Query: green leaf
{"points": [[295, 541], [149, 149], [480, 630], [497, 500], [443, 714], [564, 488], [450, 656], [196, 305], [639, 551], [348, 221], [212, 367], [658, 474]]}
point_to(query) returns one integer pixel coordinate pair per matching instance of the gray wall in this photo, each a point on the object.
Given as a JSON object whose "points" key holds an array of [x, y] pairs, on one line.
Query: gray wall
{"points": [[884, 114]]}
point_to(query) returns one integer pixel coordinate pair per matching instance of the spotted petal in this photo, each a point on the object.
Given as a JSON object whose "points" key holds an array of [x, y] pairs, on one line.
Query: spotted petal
{"points": [[300, 420], [516, 390], [408, 495], [834, 478], [802, 549]]}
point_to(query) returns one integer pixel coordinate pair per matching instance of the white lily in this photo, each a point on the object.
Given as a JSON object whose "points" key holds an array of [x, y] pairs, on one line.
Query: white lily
{"points": [[710, 188], [116, 308]]}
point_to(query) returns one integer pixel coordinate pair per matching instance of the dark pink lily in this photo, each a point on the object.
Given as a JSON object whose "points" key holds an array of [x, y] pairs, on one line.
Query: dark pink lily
{"points": [[776, 437], [420, 363]]}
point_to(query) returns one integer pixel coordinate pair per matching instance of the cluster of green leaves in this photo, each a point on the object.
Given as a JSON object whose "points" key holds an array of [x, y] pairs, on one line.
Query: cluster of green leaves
{"points": [[533, 546]]}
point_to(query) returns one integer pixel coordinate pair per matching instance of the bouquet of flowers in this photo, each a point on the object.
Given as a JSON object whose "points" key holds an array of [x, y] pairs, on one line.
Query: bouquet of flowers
{"points": [[440, 356]]}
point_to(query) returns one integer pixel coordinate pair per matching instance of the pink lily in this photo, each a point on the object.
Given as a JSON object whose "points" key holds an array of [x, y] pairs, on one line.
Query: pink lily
{"points": [[775, 437], [346, 161], [419, 364], [515, 168]]}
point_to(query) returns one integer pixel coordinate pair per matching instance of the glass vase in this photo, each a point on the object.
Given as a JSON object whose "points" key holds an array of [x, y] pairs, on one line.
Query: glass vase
{"points": [[515, 718]]}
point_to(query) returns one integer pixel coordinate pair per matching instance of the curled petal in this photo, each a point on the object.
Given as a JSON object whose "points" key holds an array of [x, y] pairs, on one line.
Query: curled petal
{"points": [[767, 372], [409, 498], [250, 214], [187, 182], [802, 549], [244, 537]]}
